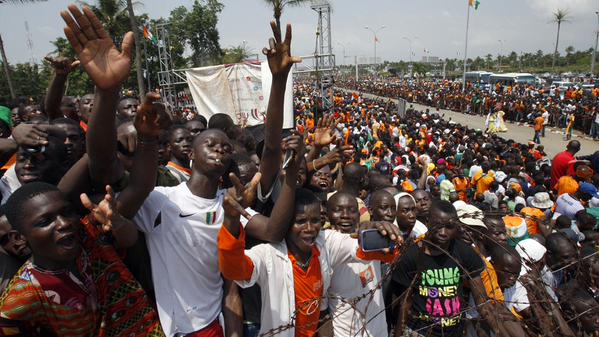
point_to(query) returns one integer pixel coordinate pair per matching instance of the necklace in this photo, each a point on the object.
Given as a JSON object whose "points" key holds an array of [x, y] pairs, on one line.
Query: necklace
{"points": [[306, 264]]}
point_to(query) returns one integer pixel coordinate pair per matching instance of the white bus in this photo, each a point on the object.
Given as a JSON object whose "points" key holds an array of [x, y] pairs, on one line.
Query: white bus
{"points": [[480, 77], [513, 78]]}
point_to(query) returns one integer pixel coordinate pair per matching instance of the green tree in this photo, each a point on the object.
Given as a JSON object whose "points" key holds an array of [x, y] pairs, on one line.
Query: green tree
{"points": [[279, 5], [560, 16], [114, 16], [569, 55], [489, 60], [198, 29], [236, 54]]}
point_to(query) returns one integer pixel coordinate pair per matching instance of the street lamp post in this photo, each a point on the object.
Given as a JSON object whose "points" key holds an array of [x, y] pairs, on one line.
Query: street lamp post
{"points": [[594, 61], [410, 42], [376, 39], [343, 47], [500, 52]]}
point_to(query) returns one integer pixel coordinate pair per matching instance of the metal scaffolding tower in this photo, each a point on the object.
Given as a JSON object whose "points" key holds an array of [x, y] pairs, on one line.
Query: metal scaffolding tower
{"points": [[165, 76], [324, 46]]}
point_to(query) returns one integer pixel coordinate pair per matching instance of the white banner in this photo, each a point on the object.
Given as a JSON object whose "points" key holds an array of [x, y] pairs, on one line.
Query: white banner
{"points": [[238, 90]]}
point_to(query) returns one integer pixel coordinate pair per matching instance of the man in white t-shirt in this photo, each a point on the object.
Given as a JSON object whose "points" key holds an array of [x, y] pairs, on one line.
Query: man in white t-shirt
{"points": [[353, 279], [181, 225], [545, 116]]}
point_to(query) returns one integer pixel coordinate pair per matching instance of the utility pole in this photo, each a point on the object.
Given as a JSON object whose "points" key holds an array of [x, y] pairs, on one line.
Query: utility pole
{"points": [[500, 52], [466, 49], [356, 61], [7, 70], [594, 60], [376, 39]]}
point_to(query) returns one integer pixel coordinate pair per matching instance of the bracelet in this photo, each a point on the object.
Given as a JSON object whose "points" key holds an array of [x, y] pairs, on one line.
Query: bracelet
{"points": [[314, 165]]}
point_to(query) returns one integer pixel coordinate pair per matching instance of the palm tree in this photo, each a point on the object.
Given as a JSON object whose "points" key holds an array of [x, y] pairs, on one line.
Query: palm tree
{"points": [[279, 5], [138, 69], [561, 15], [113, 14]]}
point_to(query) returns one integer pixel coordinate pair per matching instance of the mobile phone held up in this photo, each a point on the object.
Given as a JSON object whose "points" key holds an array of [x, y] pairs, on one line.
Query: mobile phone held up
{"points": [[371, 240]]}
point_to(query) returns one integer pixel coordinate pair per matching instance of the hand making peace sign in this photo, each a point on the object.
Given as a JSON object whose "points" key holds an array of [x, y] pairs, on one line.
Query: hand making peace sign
{"points": [[278, 53]]}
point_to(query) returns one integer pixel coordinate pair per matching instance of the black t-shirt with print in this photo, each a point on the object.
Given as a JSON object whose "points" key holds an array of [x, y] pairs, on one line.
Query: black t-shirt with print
{"points": [[438, 298]]}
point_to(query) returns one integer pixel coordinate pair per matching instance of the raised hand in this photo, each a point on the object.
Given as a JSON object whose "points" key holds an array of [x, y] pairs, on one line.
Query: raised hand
{"points": [[324, 134], [62, 65], [295, 143], [105, 211], [151, 117], [278, 53], [245, 195], [332, 157], [104, 63], [33, 135]]}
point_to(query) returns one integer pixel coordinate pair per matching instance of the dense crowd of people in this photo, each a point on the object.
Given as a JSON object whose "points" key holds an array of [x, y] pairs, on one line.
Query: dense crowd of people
{"points": [[573, 108], [118, 219]]}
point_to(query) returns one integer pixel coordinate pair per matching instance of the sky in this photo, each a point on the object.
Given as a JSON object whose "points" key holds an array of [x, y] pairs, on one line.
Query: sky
{"points": [[437, 26]]}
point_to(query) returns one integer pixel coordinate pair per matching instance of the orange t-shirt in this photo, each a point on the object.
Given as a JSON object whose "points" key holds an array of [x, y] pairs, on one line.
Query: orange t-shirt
{"points": [[461, 186], [308, 291], [310, 124], [533, 217], [566, 184], [407, 186], [484, 183], [489, 278], [539, 123]]}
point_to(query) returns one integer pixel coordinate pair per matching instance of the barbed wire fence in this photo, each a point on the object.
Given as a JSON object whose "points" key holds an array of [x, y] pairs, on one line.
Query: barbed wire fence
{"points": [[369, 296]]}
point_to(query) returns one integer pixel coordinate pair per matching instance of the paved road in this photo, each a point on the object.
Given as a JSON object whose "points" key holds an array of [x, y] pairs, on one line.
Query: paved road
{"points": [[553, 141]]}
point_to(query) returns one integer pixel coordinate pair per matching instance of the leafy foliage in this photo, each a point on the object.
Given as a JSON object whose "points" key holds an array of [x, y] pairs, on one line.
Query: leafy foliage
{"points": [[197, 28], [279, 5]]}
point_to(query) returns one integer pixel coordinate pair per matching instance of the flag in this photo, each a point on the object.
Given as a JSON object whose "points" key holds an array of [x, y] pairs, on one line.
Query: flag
{"points": [[210, 218], [149, 36], [474, 3]]}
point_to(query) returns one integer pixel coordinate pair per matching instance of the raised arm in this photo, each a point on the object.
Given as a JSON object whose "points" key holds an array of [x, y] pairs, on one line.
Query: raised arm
{"points": [[149, 121], [234, 264], [62, 67], [280, 62], [108, 68], [274, 228], [324, 135], [423, 176], [76, 181], [232, 310]]}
